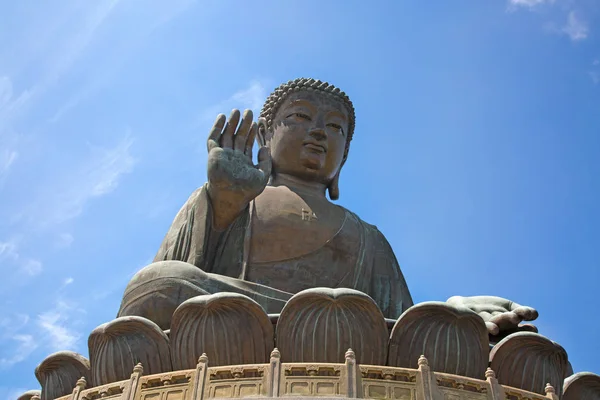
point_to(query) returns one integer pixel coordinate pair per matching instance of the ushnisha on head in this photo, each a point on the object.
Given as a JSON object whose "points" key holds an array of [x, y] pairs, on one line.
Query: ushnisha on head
{"points": [[308, 125]]}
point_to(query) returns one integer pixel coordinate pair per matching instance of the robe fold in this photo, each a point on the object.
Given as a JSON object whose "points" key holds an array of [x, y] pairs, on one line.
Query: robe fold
{"points": [[369, 265]]}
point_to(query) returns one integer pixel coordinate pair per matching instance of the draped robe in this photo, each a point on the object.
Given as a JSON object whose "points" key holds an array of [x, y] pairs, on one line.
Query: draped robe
{"points": [[357, 257]]}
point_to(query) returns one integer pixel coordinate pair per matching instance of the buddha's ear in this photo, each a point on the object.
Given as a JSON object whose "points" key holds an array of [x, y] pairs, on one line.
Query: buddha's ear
{"points": [[334, 187], [261, 135]]}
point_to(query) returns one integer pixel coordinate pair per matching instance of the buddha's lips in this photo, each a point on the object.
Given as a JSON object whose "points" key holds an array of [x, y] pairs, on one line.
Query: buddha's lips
{"points": [[316, 147]]}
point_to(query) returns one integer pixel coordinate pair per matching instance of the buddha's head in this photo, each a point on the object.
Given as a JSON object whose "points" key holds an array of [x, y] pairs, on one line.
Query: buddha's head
{"points": [[308, 125]]}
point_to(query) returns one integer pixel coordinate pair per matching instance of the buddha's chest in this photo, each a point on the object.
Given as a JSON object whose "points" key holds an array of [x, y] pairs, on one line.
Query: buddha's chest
{"points": [[285, 225]]}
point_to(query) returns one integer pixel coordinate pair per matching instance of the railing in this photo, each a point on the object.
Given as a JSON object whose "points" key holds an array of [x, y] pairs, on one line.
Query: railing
{"points": [[316, 380]]}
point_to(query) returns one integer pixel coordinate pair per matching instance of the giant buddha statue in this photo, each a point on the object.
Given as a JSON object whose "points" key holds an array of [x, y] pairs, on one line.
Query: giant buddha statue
{"points": [[262, 284], [269, 231]]}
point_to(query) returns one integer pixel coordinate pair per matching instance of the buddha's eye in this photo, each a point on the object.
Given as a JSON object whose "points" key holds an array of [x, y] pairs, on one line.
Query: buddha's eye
{"points": [[336, 127], [299, 115]]}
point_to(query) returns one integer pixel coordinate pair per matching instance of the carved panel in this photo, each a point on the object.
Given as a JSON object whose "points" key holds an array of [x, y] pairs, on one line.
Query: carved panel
{"points": [[517, 394], [321, 324], [388, 373], [448, 381], [311, 386], [109, 391], [236, 381], [582, 386], [230, 328], [236, 388], [390, 383], [528, 361], [59, 372], [117, 346], [381, 389], [168, 392], [454, 339]]}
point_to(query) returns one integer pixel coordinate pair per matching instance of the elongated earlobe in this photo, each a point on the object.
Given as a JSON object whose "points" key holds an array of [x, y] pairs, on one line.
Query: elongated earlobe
{"points": [[334, 188], [261, 135]]}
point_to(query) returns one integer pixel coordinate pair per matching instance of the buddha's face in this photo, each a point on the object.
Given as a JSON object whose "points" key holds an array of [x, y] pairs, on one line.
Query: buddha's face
{"points": [[308, 136]]}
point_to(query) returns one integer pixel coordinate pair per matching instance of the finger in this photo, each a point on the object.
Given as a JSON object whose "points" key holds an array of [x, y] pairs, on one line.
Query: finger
{"points": [[212, 144], [215, 132], [485, 315], [508, 320], [227, 136], [265, 164], [492, 328], [528, 328], [526, 313], [239, 143], [250, 140]]}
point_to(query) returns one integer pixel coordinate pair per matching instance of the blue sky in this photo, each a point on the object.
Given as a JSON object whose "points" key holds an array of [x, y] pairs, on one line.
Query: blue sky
{"points": [[478, 127]]}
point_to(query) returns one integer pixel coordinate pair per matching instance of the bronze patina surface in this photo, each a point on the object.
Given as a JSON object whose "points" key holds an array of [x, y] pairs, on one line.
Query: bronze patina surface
{"points": [[269, 231], [260, 261]]}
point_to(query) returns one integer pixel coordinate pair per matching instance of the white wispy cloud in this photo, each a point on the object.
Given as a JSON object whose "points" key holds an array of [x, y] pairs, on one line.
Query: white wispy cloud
{"points": [[80, 24], [74, 45], [53, 330], [9, 251], [250, 97], [64, 240], [575, 28], [595, 71], [157, 15], [59, 326], [5, 91], [59, 53], [24, 346], [9, 106], [17, 345], [528, 3], [68, 281], [32, 267], [8, 151], [66, 198], [111, 164], [7, 158], [12, 324]]}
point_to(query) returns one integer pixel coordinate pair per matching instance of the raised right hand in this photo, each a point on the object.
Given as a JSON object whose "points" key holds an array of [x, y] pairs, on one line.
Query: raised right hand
{"points": [[233, 179]]}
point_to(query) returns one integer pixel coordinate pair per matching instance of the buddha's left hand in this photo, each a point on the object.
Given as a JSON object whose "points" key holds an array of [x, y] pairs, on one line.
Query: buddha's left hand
{"points": [[501, 316]]}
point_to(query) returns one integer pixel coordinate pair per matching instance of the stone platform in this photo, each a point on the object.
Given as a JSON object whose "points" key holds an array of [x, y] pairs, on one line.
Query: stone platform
{"points": [[304, 380]]}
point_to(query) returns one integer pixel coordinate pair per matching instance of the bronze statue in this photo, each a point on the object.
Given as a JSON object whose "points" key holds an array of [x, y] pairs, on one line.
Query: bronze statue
{"points": [[259, 239], [268, 230]]}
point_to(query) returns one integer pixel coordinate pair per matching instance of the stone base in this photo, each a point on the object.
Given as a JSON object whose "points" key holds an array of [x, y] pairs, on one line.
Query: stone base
{"points": [[306, 381]]}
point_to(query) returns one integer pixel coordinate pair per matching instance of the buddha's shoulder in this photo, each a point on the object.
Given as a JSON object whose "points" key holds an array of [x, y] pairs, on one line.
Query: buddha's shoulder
{"points": [[372, 229]]}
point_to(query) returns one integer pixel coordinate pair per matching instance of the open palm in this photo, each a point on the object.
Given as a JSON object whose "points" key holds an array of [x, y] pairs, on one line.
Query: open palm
{"points": [[501, 316], [230, 168]]}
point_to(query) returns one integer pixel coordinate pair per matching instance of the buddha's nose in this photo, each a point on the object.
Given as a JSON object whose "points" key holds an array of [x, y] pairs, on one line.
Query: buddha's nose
{"points": [[318, 130], [318, 133]]}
